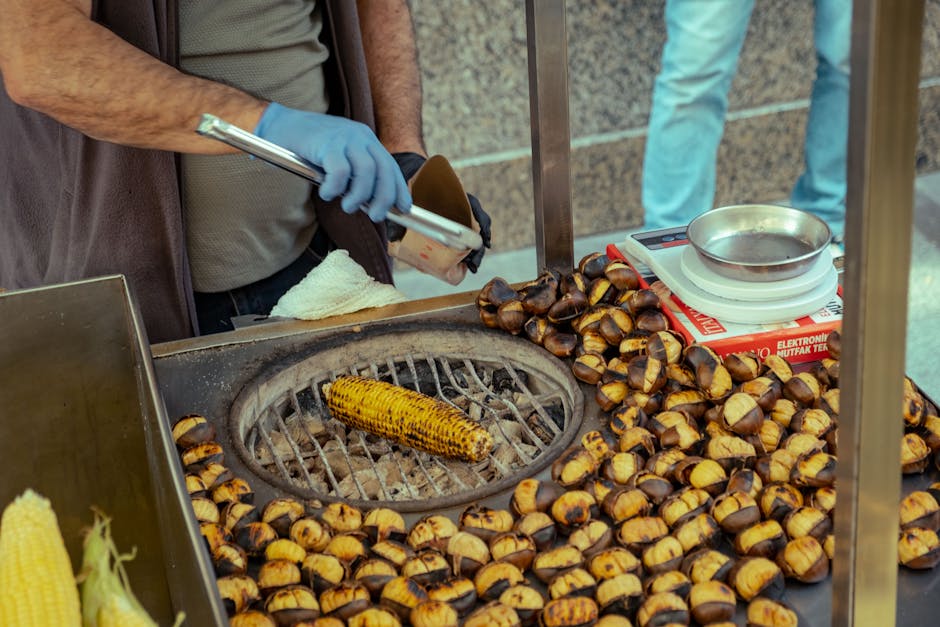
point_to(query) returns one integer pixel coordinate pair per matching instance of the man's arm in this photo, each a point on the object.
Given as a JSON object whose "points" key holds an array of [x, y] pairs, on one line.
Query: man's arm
{"points": [[394, 77], [54, 59]]}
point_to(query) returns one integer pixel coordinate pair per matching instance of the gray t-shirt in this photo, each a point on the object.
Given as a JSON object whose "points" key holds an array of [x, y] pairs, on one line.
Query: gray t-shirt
{"points": [[245, 219]]}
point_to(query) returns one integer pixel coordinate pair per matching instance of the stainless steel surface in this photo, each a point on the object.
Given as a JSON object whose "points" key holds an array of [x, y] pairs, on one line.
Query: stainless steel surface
{"points": [[82, 423], [205, 375], [438, 228], [883, 117], [758, 242], [547, 45], [527, 399]]}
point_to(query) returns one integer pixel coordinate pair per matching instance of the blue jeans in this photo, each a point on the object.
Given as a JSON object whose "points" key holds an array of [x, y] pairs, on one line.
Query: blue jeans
{"points": [[690, 100], [215, 310]]}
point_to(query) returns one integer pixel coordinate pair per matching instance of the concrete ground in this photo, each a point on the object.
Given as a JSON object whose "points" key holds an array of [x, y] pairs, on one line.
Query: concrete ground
{"points": [[923, 336]]}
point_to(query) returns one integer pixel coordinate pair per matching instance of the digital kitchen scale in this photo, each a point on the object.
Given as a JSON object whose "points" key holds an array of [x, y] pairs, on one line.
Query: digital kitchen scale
{"points": [[669, 255]]}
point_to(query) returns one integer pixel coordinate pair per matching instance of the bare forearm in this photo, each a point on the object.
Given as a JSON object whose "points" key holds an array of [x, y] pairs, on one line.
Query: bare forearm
{"points": [[394, 75], [56, 60]]}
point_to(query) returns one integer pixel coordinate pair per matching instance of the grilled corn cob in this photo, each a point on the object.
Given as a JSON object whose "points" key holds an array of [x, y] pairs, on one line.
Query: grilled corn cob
{"points": [[407, 417], [36, 582]]}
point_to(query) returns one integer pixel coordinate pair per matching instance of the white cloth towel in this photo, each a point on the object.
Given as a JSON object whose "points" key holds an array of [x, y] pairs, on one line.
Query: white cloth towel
{"points": [[338, 285]]}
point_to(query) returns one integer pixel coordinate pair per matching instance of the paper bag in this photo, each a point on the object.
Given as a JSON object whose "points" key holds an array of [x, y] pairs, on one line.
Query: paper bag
{"points": [[436, 188]]}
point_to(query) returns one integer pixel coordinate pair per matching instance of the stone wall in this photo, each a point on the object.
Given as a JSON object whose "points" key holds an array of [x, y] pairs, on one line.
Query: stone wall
{"points": [[476, 107]]}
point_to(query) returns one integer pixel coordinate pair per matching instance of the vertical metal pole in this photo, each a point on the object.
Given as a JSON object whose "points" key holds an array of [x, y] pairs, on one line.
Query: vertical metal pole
{"points": [[886, 38], [551, 146]]}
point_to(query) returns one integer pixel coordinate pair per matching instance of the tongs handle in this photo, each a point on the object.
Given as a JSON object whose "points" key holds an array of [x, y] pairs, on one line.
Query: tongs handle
{"points": [[438, 228]]}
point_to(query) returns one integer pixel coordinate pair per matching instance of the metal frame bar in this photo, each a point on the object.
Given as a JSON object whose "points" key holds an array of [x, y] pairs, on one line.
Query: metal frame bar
{"points": [[546, 37], [886, 43]]}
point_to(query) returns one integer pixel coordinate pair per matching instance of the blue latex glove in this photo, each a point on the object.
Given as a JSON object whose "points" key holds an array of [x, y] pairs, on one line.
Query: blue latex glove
{"points": [[357, 166]]}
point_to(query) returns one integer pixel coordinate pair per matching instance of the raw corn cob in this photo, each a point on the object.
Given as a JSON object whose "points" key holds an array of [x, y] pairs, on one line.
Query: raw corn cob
{"points": [[407, 417], [37, 586], [107, 599]]}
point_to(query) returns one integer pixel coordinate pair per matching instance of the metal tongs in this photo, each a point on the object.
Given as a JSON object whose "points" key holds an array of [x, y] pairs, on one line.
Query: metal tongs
{"points": [[438, 228]]}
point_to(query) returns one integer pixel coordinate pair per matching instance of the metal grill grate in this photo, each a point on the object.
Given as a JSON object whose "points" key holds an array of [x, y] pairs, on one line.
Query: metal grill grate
{"points": [[287, 436]]}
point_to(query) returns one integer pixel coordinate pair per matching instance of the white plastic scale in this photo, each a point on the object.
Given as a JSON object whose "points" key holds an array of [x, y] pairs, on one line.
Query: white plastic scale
{"points": [[669, 255]]}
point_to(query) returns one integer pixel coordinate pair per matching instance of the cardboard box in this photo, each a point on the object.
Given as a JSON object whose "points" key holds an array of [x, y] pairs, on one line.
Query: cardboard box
{"points": [[799, 341]]}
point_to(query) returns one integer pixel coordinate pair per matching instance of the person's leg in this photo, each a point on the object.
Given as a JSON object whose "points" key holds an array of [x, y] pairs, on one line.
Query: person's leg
{"points": [[690, 98], [821, 188]]}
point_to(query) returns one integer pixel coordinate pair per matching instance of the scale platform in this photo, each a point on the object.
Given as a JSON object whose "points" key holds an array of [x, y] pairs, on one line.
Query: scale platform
{"points": [[669, 255]]}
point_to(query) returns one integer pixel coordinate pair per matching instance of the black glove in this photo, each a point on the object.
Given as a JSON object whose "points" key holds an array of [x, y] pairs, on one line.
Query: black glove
{"points": [[410, 163]]}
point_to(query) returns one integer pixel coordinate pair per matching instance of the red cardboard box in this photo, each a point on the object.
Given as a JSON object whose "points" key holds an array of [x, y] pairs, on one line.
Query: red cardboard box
{"points": [[799, 341]]}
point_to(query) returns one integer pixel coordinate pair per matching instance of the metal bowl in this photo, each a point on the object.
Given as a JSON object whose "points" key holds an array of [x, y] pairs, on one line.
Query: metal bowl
{"points": [[758, 242]]}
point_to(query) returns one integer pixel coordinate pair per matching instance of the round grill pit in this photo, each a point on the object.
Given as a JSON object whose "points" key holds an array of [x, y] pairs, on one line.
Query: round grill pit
{"points": [[527, 400]]}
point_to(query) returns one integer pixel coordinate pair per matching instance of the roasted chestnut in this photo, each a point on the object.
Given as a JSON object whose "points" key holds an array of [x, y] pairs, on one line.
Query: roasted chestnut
{"points": [[467, 553], [434, 614], [569, 612], [292, 605], [672, 581], [735, 511], [236, 489], [662, 555], [741, 414], [638, 533], [663, 608], [344, 600], [621, 275], [432, 531], [756, 577], [276, 574], [525, 600], [698, 532], [238, 592], [761, 539], [763, 612], [540, 527], [383, 523], [918, 548], [554, 561], [817, 470], [684, 505], [591, 537], [310, 533], [428, 566], [402, 594], [574, 466], [374, 574], [706, 565], [281, 514], [374, 617], [620, 595], [494, 578], [807, 521], [915, 454], [589, 367], [458, 592], [322, 571], [572, 583], [573, 508], [712, 601], [284, 549], [200, 455], [613, 562], [192, 429], [229, 559], [255, 537], [804, 559], [514, 547], [347, 547], [920, 509], [394, 552]]}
